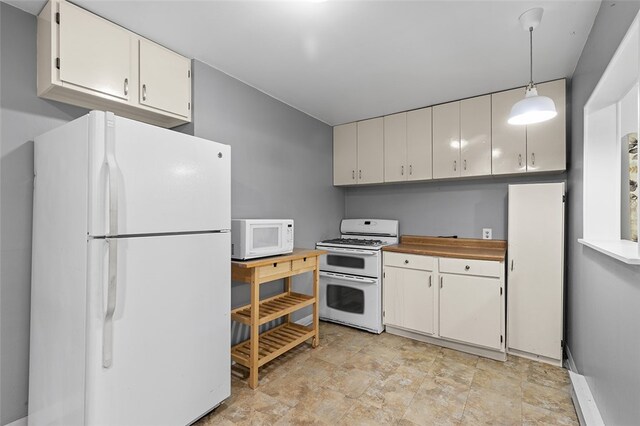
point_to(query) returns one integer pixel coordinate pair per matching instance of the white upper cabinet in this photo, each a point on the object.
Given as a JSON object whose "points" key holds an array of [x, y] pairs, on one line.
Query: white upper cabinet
{"points": [[546, 146], [419, 144], [509, 152], [537, 147], [165, 79], [345, 154], [446, 140], [88, 61], [94, 53], [370, 151], [475, 136], [395, 148]]}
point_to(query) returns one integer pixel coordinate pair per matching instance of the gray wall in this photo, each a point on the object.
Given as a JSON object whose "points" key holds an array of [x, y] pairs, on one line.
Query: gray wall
{"points": [[281, 163], [23, 116], [459, 208], [603, 293]]}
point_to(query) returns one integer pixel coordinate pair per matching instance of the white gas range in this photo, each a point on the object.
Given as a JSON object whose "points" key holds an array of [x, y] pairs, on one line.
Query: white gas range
{"points": [[351, 273]]}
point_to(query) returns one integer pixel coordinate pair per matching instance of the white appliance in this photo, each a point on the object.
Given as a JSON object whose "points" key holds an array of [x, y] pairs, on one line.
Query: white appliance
{"points": [[130, 297], [535, 300], [251, 238], [351, 273]]}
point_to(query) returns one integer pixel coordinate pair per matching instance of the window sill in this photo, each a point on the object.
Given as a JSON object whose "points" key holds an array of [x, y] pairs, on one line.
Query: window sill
{"points": [[623, 250]]}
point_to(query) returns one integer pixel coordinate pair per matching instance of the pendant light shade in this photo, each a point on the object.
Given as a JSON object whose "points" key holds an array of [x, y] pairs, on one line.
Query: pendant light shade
{"points": [[533, 108]]}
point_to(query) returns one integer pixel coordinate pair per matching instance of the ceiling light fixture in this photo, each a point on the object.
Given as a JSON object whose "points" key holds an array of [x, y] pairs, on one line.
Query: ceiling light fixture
{"points": [[533, 108]]}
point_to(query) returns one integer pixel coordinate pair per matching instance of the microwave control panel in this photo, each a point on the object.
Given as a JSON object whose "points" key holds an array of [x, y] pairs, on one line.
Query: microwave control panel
{"points": [[290, 233]]}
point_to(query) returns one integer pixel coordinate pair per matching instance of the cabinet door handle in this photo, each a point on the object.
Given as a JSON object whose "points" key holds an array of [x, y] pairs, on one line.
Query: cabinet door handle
{"points": [[353, 174], [410, 169], [360, 174], [429, 281], [455, 165], [520, 160], [465, 164], [126, 86], [402, 171], [441, 281], [144, 92], [533, 158], [512, 264]]}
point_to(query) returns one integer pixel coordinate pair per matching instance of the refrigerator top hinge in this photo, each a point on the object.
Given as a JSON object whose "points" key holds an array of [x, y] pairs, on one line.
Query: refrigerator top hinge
{"points": [[58, 18]]}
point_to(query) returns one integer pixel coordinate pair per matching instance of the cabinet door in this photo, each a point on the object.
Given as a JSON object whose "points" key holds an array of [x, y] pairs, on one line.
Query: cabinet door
{"points": [[392, 305], [475, 136], [94, 53], [446, 140], [536, 268], [417, 298], [395, 147], [345, 154], [470, 309], [509, 141], [419, 144], [371, 151], [546, 141], [408, 299], [165, 79]]}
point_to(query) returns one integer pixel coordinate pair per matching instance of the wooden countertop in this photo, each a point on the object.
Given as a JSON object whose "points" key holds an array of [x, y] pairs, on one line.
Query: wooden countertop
{"points": [[298, 253], [464, 248]]}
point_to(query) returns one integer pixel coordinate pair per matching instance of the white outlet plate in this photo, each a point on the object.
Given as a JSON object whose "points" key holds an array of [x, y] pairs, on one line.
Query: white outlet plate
{"points": [[486, 233]]}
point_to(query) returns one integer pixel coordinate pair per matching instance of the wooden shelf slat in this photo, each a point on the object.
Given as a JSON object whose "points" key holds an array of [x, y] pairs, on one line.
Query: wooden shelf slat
{"points": [[272, 343], [273, 307]]}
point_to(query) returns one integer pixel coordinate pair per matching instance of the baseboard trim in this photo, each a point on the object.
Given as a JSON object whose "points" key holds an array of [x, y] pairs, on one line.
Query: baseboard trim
{"points": [[19, 422], [305, 320], [586, 408]]}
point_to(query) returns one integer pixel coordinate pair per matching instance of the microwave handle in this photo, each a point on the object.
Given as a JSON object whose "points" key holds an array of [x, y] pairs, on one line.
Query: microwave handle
{"points": [[348, 278]]}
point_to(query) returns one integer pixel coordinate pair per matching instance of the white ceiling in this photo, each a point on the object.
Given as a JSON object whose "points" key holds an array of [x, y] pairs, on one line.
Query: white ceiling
{"points": [[342, 61]]}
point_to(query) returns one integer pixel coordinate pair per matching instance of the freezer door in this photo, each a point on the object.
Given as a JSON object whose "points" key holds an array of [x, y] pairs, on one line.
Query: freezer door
{"points": [[145, 179], [171, 330]]}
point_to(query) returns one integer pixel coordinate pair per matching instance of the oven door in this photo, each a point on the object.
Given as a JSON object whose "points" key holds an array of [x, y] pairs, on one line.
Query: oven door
{"points": [[351, 261], [351, 300]]}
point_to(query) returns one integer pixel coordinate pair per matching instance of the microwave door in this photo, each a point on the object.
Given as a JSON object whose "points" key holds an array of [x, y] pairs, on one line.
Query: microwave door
{"points": [[264, 238]]}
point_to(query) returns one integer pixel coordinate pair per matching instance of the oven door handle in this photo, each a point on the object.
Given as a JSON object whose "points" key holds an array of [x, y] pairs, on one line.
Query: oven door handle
{"points": [[349, 251], [348, 278]]}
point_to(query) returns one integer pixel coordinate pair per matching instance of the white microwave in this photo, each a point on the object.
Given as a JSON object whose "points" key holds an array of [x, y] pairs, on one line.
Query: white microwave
{"points": [[251, 238]]}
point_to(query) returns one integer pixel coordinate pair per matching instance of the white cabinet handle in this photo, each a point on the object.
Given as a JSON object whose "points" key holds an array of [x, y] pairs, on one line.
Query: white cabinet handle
{"points": [[441, 278], [533, 158], [402, 171], [429, 281], [520, 160], [144, 92], [455, 165], [512, 264], [126, 86], [465, 164], [410, 169], [353, 174], [360, 175]]}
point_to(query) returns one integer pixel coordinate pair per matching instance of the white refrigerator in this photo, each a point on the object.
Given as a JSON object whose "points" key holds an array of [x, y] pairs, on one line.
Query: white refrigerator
{"points": [[130, 299]]}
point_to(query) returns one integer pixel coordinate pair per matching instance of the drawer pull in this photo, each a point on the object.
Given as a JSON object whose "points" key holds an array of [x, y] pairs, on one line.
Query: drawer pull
{"points": [[466, 268], [406, 262], [429, 281], [304, 259], [441, 278], [275, 265]]}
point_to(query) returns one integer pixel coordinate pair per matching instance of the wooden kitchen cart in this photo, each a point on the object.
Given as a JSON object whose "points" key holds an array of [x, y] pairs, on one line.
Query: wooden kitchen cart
{"points": [[262, 348]]}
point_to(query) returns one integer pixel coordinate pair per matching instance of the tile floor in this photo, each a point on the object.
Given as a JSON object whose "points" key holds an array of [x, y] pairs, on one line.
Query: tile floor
{"points": [[358, 378]]}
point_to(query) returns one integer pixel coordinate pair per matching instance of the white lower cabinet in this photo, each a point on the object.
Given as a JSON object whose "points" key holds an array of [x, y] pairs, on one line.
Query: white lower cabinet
{"points": [[409, 299], [456, 303]]}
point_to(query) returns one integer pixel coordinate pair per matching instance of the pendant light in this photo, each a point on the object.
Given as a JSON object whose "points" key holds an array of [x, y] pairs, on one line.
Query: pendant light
{"points": [[533, 108]]}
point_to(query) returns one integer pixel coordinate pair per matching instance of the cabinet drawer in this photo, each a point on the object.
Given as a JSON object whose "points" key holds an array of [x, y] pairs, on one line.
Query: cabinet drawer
{"points": [[303, 263], [412, 261], [274, 269], [485, 268]]}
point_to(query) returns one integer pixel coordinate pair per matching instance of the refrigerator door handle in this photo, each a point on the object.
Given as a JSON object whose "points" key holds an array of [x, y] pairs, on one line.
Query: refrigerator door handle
{"points": [[107, 332], [112, 168]]}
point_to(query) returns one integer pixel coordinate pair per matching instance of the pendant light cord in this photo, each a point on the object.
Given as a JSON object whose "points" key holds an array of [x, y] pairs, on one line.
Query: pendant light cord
{"points": [[531, 57]]}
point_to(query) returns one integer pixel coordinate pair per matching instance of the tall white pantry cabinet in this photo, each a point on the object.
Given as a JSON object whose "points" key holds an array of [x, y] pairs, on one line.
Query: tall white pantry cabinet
{"points": [[535, 294]]}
